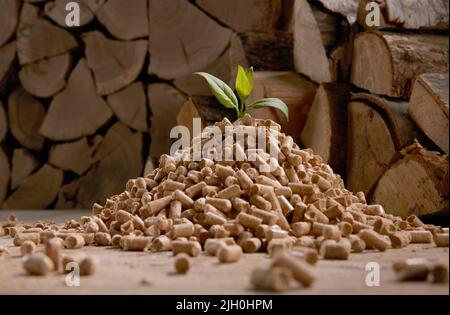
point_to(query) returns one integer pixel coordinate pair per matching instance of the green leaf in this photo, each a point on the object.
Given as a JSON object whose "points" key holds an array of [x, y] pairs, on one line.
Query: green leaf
{"points": [[244, 85], [221, 91], [249, 74], [271, 102]]}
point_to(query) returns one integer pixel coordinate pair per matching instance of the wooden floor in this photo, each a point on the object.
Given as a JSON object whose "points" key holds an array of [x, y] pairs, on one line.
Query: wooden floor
{"points": [[152, 273]]}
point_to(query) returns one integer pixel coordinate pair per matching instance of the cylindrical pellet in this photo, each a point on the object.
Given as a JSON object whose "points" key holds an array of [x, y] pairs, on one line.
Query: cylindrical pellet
{"points": [[440, 273], [230, 192], [223, 205], [54, 249], [441, 239], [374, 240], [345, 228], [357, 244], [330, 249], [275, 279], [19, 238], [300, 270], [27, 248], [38, 264], [229, 254], [102, 239], [421, 237], [214, 219], [400, 239], [301, 228], [115, 241], [135, 243], [272, 233], [74, 241], [182, 263], [191, 248], [268, 217], [248, 221], [161, 243], [185, 200], [415, 269], [251, 245], [182, 230], [88, 266]]}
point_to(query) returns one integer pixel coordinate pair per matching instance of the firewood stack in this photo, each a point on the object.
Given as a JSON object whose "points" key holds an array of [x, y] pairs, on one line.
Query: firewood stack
{"points": [[371, 100]]}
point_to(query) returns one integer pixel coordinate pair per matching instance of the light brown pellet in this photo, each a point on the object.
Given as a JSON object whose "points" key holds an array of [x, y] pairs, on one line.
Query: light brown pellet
{"points": [[19, 238], [229, 253], [102, 239], [135, 243], [310, 255], [46, 235], [260, 202], [161, 243], [244, 180], [330, 249], [441, 239], [301, 228], [313, 214], [185, 200], [421, 237], [191, 248], [182, 230], [400, 239], [195, 190], [357, 244], [230, 192], [27, 248], [213, 244], [414, 221], [273, 233], [415, 269], [269, 218], [440, 273], [332, 232], [248, 221], [182, 263], [115, 241], [301, 189], [345, 228], [54, 249], [88, 266], [275, 279], [374, 240], [38, 264], [74, 241], [91, 227], [279, 245], [300, 270], [223, 205], [384, 227], [251, 245]]}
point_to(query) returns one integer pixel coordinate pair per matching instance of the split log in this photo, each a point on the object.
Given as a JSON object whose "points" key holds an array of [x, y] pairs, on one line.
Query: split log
{"points": [[428, 107], [110, 175], [3, 123], [25, 116], [417, 183], [7, 57], [346, 8], [113, 139], [41, 39], [47, 77], [186, 114], [9, 18], [149, 166], [67, 196], [28, 14], [94, 5], [406, 14], [75, 156], [23, 165], [377, 130], [326, 127], [73, 114], [130, 106], [224, 68], [271, 51], [56, 10], [387, 63], [165, 102], [125, 19], [4, 178], [183, 39], [115, 63], [37, 191], [297, 92], [260, 15]]}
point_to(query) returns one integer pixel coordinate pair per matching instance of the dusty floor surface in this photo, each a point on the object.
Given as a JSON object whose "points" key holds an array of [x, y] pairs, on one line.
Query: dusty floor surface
{"points": [[152, 273]]}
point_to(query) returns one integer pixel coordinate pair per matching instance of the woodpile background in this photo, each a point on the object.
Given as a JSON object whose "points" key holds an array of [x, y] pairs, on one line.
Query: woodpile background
{"points": [[83, 109]]}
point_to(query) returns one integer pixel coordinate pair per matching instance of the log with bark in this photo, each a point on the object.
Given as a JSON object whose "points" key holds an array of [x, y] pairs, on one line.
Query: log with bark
{"points": [[297, 92], [377, 129], [325, 130], [404, 14], [323, 40], [428, 107], [387, 63], [415, 183], [32, 193], [23, 164]]}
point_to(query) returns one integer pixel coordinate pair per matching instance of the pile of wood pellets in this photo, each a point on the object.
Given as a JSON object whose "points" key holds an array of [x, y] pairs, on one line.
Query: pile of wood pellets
{"points": [[298, 213]]}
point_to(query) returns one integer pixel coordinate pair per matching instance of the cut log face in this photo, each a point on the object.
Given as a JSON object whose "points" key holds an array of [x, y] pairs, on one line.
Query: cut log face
{"points": [[9, 18], [297, 92], [56, 10], [40, 39], [224, 68], [25, 116], [416, 184], [3, 123], [67, 196], [346, 8], [183, 39], [94, 5], [326, 127], [260, 15], [428, 107], [23, 164], [7, 56], [78, 110], [115, 63], [409, 15], [310, 57], [75, 156], [370, 147], [28, 14], [47, 77], [113, 139], [37, 191], [110, 175], [186, 115], [5, 175], [125, 19], [130, 106], [269, 51], [387, 63], [165, 103]]}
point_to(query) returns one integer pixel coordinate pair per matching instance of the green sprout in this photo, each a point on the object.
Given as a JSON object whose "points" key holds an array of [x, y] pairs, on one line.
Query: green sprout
{"points": [[244, 87]]}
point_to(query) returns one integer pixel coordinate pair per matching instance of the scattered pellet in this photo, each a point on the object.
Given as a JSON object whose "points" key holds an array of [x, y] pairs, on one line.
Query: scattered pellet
{"points": [[19, 238], [191, 248], [53, 249], [441, 239], [374, 240], [182, 263], [275, 279], [88, 266], [38, 264], [440, 273], [300, 270], [27, 248], [229, 253], [74, 241]]}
